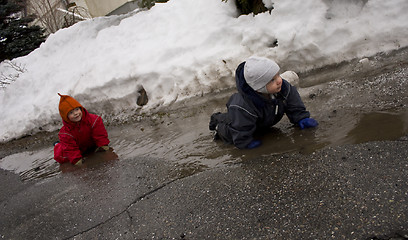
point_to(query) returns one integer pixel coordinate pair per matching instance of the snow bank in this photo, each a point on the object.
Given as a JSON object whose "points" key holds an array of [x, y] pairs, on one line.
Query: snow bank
{"points": [[187, 47]]}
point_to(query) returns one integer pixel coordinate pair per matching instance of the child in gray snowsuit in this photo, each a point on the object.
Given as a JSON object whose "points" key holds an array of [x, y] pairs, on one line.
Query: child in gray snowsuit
{"points": [[263, 98]]}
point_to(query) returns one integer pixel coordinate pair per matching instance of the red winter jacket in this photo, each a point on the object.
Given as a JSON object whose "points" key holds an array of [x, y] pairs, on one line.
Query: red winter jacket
{"points": [[77, 138]]}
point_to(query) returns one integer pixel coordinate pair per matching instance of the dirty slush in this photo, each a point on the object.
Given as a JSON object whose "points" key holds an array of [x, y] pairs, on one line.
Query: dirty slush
{"points": [[345, 179]]}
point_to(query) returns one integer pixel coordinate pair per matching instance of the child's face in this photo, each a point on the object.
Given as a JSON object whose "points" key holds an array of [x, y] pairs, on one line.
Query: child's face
{"points": [[274, 86], [75, 115]]}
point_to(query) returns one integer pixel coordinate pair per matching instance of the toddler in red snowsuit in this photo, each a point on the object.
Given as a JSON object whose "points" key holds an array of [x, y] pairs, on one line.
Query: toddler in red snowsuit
{"points": [[82, 132]]}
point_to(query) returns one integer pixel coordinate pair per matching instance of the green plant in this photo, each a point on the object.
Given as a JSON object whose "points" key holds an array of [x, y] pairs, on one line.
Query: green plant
{"points": [[17, 36]]}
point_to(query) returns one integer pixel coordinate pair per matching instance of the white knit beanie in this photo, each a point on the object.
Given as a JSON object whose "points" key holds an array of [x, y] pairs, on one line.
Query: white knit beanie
{"points": [[258, 71]]}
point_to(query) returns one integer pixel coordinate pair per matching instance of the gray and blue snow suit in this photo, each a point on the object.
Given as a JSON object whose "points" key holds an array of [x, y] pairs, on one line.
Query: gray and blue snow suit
{"points": [[249, 111]]}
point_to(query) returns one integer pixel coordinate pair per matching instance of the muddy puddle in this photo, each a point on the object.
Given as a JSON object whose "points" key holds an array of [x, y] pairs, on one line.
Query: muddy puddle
{"points": [[192, 149], [378, 126], [350, 110]]}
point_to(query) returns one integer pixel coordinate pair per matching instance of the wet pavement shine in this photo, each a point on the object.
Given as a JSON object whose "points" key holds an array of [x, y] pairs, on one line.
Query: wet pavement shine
{"points": [[168, 179]]}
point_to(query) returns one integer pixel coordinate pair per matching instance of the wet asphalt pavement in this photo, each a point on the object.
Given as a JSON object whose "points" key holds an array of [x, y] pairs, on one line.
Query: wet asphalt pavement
{"points": [[348, 192], [348, 187]]}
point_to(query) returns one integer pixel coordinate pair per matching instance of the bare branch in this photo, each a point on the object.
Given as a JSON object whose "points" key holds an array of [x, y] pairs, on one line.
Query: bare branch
{"points": [[54, 15], [7, 78]]}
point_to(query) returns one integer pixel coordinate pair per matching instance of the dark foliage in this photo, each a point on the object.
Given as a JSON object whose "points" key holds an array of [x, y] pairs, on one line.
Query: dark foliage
{"points": [[17, 38], [250, 6]]}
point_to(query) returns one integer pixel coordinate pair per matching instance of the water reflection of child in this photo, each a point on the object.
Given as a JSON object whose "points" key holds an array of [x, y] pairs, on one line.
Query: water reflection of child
{"points": [[81, 132], [263, 98]]}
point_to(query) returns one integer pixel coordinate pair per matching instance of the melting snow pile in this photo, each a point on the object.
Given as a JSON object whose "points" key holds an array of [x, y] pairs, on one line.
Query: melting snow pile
{"points": [[186, 47]]}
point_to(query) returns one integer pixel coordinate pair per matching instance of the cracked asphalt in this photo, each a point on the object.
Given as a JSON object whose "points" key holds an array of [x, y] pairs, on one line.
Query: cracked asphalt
{"points": [[355, 191]]}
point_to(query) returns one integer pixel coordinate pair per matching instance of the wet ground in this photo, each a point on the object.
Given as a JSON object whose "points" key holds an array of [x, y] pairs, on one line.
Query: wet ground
{"points": [[364, 100], [355, 103]]}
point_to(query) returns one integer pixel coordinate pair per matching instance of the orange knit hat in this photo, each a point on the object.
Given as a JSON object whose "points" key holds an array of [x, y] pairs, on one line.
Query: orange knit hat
{"points": [[66, 104]]}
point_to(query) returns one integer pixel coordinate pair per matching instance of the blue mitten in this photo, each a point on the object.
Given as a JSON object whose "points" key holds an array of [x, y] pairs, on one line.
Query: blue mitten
{"points": [[254, 144], [307, 123]]}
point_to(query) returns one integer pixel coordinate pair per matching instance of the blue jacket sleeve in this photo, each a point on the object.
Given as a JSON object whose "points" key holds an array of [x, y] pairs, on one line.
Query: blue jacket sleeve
{"points": [[295, 109]]}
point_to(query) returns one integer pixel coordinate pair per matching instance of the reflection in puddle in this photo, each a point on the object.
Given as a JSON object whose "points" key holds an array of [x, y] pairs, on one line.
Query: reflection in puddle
{"points": [[41, 164], [188, 143], [31, 165], [378, 126], [91, 161]]}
